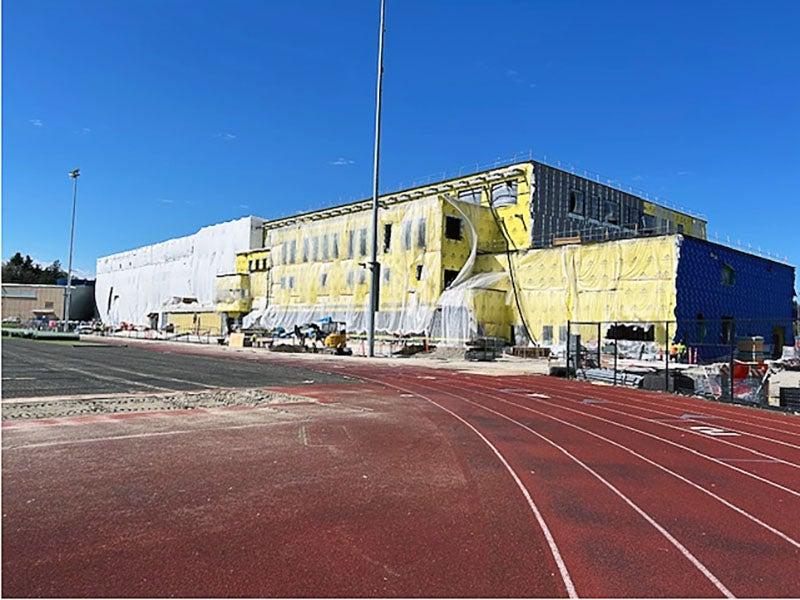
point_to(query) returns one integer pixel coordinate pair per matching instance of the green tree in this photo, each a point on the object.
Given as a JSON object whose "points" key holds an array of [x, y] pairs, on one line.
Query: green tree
{"points": [[19, 269]]}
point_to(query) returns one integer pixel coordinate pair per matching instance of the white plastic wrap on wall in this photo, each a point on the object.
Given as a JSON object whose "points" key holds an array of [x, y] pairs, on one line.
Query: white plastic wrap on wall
{"points": [[132, 284]]}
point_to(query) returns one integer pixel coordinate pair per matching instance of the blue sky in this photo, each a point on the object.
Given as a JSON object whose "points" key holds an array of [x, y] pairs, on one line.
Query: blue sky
{"points": [[186, 113]]}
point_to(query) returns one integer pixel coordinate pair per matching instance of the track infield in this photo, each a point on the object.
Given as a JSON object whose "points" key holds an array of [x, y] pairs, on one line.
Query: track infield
{"points": [[401, 480]]}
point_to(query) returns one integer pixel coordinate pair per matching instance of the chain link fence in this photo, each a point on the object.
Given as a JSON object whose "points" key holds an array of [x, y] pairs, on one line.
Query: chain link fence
{"points": [[753, 361]]}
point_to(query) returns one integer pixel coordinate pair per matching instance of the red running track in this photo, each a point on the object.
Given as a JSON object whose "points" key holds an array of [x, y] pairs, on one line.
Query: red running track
{"points": [[416, 482]]}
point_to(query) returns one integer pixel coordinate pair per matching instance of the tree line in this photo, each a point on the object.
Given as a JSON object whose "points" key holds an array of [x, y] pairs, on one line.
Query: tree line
{"points": [[19, 269]]}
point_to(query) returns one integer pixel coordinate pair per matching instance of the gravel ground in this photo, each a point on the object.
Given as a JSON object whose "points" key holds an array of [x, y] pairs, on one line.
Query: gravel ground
{"points": [[46, 409]]}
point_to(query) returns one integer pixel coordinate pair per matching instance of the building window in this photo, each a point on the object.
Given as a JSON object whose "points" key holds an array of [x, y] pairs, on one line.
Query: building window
{"points": [[504, 194], [421, 233], [449, 277], [387, 237], [680, 228], [305, 249], [562, 334], [362, 277], [283, 283], [284, 249], [362, 241], [386, 274], [576, 202], [701, 328], [251, 265], [350, 278], [611, 212], [407, 235], [315, 248], [727, 330], [595, 208], [351, 240], [292, 252], [335, 245], [48, 305], [728, 275], [323, 279], [419, 272], [648, 223], [547, 334], [325, 251], [291, 282], [470, 196], [452, 228]]}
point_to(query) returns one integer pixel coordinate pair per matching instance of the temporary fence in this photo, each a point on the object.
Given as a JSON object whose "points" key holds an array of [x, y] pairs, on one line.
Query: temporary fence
{"points": [[725, 359]]}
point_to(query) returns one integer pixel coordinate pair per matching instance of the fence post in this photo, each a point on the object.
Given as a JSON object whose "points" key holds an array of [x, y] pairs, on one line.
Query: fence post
{"points": [[733, 354], [569, 341], [616, 351], [599, 348], [666, 355]]}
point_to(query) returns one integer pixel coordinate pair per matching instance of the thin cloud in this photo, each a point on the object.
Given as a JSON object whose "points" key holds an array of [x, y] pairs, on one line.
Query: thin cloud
{"points": [[86, 131], [166, 201], [342, 162], [638, 177], [244, 206], [683, 173], [37, 122], [226, 136]]}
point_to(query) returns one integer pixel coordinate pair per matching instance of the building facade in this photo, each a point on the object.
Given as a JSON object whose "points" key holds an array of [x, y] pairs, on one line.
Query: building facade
{"points": [[24, 302], [172, 283], [514, 252]]}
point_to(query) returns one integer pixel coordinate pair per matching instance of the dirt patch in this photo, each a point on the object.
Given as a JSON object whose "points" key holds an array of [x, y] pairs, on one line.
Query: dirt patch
{"points": [[46, 409]]}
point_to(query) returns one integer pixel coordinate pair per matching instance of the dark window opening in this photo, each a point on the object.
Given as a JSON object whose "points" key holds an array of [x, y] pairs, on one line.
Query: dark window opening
{"points": [[728, 275], [727, 330], [452, 228], [576, 202], [449, 277], [611, 212], [702, 330], [634, 333], [547, 334], [680, 228], [351, 243], [387, 237], [648, 222], [419, 272]]}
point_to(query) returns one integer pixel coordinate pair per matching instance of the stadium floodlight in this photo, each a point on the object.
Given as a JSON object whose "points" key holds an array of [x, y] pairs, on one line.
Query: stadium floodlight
{"points": [[74, 174]]}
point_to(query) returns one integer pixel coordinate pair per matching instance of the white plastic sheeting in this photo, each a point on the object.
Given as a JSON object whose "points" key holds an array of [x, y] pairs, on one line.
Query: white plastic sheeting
{"points": [[132, 284]]}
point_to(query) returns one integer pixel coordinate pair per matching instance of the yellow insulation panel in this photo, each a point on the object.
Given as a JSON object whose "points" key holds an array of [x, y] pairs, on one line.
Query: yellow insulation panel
{"points": [[199, 323]]}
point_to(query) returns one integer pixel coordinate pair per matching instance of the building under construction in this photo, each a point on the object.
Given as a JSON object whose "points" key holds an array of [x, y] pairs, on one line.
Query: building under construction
{"points": [[513, 253]]}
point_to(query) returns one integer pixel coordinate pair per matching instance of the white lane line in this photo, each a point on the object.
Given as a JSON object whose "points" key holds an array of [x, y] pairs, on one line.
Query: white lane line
{"points": [[666, 441], [697, 486], [551, 542], [716, 411], [133, 436], [681, 548]]}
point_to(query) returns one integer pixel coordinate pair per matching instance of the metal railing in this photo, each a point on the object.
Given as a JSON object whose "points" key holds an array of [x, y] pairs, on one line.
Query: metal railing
{"points": [[725, 359]]}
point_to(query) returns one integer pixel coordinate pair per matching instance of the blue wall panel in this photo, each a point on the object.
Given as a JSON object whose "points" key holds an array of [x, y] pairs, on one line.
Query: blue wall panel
{"points": [[759, 300]]}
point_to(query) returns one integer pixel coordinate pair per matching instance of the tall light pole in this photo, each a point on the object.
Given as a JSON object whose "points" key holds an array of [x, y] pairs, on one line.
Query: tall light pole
{"points": [[74, 174], [373, 263]]}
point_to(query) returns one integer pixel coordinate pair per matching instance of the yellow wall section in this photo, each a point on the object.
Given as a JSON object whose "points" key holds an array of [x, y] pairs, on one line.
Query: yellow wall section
{"points": [[200, 323]]}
